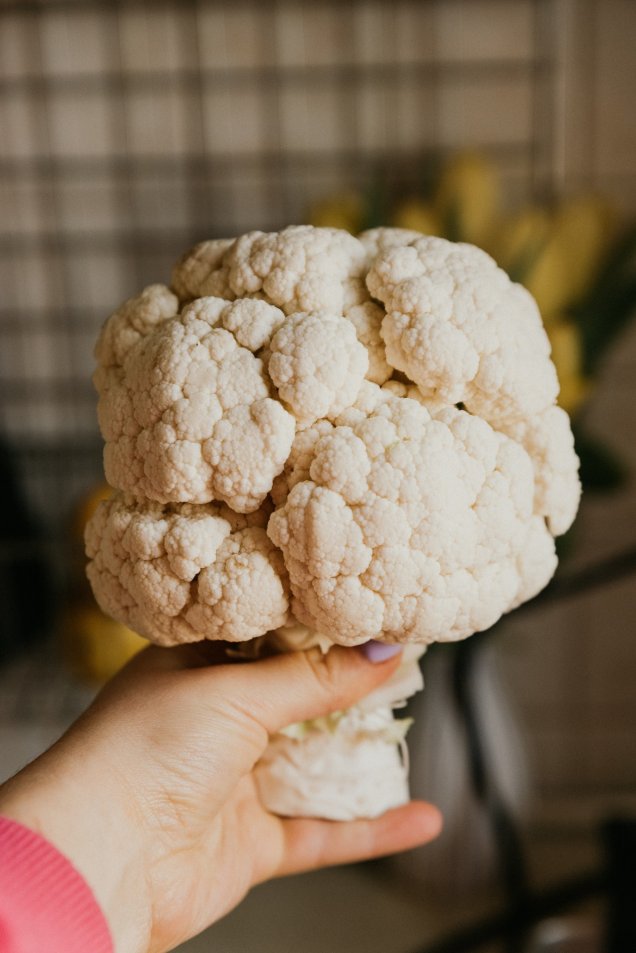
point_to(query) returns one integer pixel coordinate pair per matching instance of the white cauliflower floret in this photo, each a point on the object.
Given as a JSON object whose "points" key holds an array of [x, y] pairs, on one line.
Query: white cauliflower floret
{"points": [[366, 316], [198, 273], [187, 417], [299, 460], [367, 319], [252, 322], [462, 331], [183, 573], [378, 240], [536, 562], [317, 365], [371, 397], [549, 441], [136, 318], [409, 528], [400, 389], [298, 269]]}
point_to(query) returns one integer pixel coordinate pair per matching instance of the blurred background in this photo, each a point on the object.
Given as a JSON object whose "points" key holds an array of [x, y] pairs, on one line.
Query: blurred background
{"points": [[131, 130]]}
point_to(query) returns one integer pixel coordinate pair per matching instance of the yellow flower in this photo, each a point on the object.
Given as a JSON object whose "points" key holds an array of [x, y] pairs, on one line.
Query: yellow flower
{"points": [[556, 255], [584, 227]]}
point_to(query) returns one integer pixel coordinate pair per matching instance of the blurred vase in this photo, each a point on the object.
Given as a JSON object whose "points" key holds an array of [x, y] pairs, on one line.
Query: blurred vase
{"points": [[463, 858]]}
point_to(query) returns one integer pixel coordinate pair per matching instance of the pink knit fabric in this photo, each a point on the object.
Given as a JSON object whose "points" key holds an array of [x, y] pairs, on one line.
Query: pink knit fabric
{"points": [[46, 906]]}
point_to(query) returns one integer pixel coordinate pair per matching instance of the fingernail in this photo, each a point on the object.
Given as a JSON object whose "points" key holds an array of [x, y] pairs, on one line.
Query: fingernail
{"points": [[379, 651]]}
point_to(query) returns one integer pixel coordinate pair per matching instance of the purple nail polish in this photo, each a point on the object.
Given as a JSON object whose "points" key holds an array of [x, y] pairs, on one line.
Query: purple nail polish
{"points": [[379, 651]]}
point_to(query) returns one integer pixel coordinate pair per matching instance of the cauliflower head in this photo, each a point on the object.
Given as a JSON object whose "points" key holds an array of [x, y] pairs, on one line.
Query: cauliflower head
{"points": [[359, 435]]}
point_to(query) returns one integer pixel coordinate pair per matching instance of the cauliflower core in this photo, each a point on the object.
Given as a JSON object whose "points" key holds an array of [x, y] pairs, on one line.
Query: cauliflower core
{"points": [[292, 770], [392, 397]]}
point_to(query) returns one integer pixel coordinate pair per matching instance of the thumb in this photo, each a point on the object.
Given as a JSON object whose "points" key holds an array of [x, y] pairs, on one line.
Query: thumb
{"points": [[215, 720], [277, 691]]}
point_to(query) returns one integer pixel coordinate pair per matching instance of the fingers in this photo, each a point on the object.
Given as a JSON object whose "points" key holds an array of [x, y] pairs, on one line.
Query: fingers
{"points": [[310, 844], [295, 686]]}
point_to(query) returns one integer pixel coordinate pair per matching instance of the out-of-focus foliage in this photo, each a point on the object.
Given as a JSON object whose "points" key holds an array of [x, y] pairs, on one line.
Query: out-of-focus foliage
{"points": [[574, 256], [556, 253], [466, 198], [418, 215], [567, 354]]}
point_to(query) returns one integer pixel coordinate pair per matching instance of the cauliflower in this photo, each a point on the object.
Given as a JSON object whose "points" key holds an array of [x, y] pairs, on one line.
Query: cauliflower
{"points": [[321, 439]]}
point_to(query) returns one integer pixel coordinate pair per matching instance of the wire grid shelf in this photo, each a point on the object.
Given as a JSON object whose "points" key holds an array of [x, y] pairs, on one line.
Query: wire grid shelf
{"points": [[131, 130]]}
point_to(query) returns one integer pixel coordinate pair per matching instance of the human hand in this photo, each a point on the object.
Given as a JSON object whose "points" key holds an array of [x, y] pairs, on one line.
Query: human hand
{"points": [[151, 795]]}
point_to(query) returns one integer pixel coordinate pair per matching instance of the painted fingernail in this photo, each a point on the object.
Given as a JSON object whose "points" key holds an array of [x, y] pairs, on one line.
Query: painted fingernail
{"points": [[379, 651]]}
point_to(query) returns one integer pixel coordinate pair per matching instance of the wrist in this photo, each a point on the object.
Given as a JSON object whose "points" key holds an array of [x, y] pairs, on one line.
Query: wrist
{"points": [[88, 823]]}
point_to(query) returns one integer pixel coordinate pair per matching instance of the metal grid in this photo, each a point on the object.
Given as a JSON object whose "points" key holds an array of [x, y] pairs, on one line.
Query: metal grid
{"points": [[131, 130]]}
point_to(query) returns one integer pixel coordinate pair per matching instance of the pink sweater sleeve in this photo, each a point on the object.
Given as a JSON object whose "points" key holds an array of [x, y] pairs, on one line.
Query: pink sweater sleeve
{"points": [[45, 904]]}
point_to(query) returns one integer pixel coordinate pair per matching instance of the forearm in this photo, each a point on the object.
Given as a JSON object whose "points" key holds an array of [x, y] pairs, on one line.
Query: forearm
{"points": [[45, 904], [80, 812]]}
